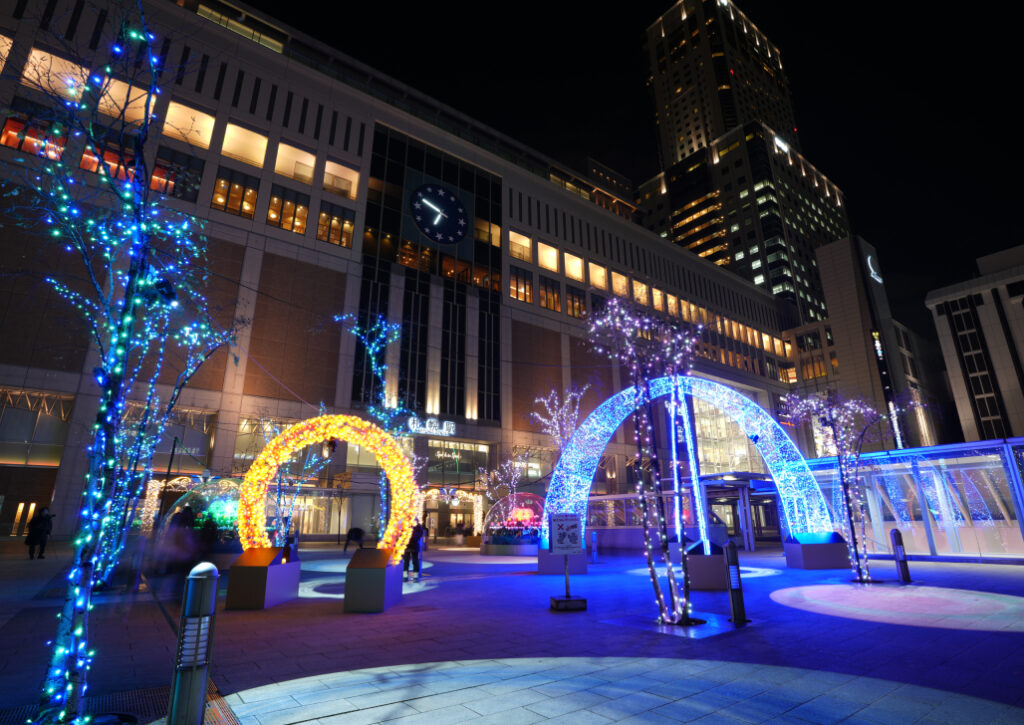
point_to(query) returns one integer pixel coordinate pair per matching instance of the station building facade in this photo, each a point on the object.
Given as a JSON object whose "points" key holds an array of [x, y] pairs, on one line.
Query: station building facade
{"points": [[311, 172]]}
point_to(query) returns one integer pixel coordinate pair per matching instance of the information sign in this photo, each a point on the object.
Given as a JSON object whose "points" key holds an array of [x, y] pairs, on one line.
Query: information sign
{"points": [[566, 534]]}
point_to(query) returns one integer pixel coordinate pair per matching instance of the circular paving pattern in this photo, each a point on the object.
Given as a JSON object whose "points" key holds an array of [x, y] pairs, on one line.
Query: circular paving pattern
{"points": [[919, 606]]}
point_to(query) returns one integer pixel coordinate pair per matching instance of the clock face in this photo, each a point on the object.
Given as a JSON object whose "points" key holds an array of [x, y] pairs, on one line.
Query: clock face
{"points": [[439, 214]]}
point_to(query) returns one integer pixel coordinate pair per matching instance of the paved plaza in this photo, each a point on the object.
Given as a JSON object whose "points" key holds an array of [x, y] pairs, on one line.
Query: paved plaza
{"points": [[475, 641]]}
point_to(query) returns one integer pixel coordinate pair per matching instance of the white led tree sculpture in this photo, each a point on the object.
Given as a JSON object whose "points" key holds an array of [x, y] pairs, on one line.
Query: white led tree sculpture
{"points": [[650, 346]]}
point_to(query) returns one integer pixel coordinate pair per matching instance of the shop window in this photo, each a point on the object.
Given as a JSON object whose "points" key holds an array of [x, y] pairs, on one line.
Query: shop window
{"points": [[294, 163], [341, 180], [53, 75], [189, 125], [235, 193], [244, 145], [598, 276], [520, 284], [547, 256], [575, 302], [550, 294], [620, 285], [177, 174], [573, 267], [335, 225], [109, 158], [288, 209], [21, 133], [520, 246]]}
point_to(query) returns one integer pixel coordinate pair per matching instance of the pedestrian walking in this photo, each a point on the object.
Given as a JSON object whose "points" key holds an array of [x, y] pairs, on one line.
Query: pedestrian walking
{"points": [[412, 551], [39, 529]]}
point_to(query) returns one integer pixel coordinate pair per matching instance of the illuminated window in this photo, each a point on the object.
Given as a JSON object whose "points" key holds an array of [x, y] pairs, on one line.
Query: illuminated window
{"points": [[120, 100], [21, 133], [598, 276], [673, 305], [288, 209], [235, 193], [759, 279], [294, 163], [547, 256], [658, 299], [520, 246], [550, 293], [335, 225], [485, 231], [109, 158], [575, 301], [520, 284], [573, 267], [341, 180], [177, 174], [54, 75], [5, 49], [244, 145], [620, 285], [189, 125], [640, 293]]}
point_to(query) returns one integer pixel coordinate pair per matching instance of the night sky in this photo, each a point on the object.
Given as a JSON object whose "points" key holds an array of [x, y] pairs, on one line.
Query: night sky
{"points": [[904, 106]]}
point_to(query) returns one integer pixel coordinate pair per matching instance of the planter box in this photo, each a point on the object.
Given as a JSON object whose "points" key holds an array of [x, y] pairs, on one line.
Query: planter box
{"points": [[262, 578], [372, 583], [816, 551], [508, 549]]}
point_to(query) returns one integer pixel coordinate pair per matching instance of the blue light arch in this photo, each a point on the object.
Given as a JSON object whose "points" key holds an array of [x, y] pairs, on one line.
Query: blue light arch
{"points": [[800, 497]]}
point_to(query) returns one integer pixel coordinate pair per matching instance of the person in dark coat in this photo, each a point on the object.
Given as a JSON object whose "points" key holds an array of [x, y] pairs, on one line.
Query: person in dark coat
{"points": [[355, 535], [412, 551], [39, 529]]}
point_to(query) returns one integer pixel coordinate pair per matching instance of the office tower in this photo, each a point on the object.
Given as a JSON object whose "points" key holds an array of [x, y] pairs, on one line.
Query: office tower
{"points": [[713, 70], [751, 203], [980, 323]]}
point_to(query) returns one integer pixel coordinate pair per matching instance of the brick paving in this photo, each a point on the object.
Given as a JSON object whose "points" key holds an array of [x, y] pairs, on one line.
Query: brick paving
{"points": [[475, 641]]}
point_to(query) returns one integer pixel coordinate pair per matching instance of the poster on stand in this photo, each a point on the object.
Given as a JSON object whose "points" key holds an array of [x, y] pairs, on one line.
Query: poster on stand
{"points": [[566, 534]]}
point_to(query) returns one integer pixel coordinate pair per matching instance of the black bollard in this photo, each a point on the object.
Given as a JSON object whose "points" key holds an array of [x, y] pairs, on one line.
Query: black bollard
{"points": [[195, 638], [900, 555], [736, 608]]}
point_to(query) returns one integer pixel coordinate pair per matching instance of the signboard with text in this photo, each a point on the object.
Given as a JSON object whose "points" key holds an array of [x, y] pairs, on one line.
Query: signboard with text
{"points": [[566, 534]]}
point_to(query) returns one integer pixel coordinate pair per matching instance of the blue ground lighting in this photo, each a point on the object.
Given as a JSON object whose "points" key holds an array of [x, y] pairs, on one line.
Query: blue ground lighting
{"points": [[800, 497]]}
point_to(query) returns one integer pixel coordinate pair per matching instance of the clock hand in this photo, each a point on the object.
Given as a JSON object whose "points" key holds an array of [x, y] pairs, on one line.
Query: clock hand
{"points": [[431, 206], [439, 215]]}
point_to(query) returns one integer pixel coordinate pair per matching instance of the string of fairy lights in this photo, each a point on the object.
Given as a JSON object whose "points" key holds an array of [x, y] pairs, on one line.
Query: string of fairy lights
{"points": [[405, 495]]}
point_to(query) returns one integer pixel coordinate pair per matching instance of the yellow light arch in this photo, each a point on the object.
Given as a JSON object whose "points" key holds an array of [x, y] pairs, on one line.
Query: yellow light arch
{"points": [[252, 514]]}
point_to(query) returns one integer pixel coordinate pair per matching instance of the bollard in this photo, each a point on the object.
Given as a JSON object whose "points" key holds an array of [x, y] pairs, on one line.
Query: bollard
{"points": [[593, 546], [195, 637], [736, 608], [900, 555]]}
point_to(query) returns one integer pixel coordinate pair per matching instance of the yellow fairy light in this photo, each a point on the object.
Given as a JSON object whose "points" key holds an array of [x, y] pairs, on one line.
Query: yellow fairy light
{"points": [[252, 515]]}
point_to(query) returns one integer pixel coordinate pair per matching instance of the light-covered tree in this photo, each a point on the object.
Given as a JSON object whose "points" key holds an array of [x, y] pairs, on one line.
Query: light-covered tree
{"points": [[84, 179]]}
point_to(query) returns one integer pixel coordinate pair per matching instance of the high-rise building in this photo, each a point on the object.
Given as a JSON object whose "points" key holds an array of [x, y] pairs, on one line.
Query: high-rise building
{"points": [[980, 324], [713, 70], [751, 203]]}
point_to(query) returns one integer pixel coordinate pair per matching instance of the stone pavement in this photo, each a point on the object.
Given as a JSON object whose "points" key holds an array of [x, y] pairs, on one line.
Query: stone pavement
{"points": [[476, 641]]}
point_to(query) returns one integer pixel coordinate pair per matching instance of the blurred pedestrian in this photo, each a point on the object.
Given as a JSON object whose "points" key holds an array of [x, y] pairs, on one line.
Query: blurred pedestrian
{"points": [[39, 529], [355, 535], [412, 551]]}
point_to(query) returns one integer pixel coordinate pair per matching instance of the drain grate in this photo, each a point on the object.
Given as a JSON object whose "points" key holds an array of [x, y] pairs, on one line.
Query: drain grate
{"points": [[146, 706]]}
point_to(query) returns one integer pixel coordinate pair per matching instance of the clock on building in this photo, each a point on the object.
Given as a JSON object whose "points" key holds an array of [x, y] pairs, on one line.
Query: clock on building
{"points": [[438, 213]]}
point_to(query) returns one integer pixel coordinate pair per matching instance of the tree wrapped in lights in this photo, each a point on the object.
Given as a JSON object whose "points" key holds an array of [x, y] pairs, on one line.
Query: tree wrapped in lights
{"points": [[140, 290], [390, 415], [559, 415], [502, 483], [846, 422], [649, 346]]}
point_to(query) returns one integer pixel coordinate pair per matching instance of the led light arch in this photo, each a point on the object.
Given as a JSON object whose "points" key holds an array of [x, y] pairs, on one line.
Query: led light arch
{"points": [[151, 503], [252, 514], [800, 496]]}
